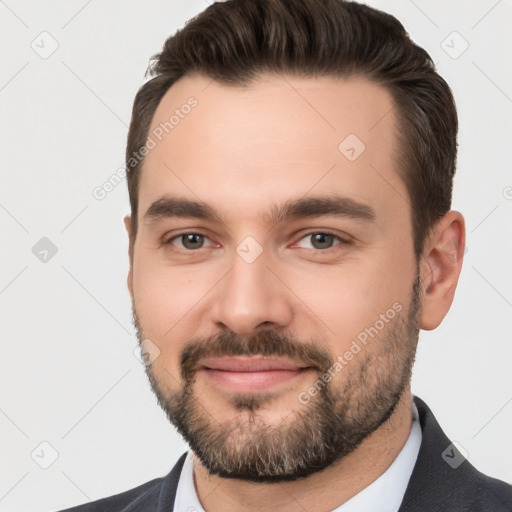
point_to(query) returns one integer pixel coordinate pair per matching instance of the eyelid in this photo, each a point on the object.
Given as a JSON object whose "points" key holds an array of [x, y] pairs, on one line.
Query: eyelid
{"points": [[344, 239], [167, 240]]}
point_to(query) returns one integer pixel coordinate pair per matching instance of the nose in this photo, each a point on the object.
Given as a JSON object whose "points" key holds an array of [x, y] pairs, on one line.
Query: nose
{"points": [[250, 298]]}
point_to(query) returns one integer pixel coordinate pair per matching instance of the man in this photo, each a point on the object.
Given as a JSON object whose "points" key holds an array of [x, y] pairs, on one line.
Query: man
{"points": [[290, 177]]}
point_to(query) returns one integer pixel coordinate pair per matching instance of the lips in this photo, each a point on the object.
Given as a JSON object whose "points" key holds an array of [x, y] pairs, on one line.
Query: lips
{"points": [[252, 364], [250, 374]]}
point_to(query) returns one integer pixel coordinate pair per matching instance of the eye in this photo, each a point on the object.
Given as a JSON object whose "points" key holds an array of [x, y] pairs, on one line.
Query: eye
{"points": [[320, 240], [189, 241]]}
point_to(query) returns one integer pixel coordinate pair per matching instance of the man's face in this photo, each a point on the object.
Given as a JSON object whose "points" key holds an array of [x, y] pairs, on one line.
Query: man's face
{"points": [[285, 308]]}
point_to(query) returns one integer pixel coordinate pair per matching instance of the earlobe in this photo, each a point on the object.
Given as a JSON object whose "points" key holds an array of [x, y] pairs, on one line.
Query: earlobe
{"points": [[128, 226], [440, 268]]}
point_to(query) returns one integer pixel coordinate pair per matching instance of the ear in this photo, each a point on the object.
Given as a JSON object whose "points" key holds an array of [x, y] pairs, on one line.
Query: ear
{"points": [[128, 226], [440, 268]]}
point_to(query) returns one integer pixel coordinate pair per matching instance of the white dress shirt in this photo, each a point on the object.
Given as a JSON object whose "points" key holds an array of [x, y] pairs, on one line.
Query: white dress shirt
{"points": [[383, 495]]}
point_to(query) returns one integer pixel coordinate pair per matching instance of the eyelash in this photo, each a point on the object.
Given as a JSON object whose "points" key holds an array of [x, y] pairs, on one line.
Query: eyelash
{"points": [[180, 235], [341, 240]]}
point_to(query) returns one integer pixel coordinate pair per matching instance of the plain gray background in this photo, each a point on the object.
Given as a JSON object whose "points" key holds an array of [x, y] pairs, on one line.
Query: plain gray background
{"points": [[69, 377]]}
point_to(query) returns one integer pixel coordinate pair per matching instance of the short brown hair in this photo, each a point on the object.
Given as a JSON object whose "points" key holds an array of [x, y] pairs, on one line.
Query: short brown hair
{"points": [[234, 41]]}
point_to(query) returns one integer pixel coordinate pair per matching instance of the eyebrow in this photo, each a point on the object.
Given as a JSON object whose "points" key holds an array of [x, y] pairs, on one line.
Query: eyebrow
{"points": [[303, 208], [333, 205]]}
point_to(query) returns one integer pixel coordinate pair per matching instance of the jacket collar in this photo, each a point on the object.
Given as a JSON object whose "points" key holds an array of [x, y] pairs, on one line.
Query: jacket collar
{"points": [[432, 481]]}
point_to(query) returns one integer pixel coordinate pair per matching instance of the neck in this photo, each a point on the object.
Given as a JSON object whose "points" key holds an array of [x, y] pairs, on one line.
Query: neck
{"points": [[320, 491]]}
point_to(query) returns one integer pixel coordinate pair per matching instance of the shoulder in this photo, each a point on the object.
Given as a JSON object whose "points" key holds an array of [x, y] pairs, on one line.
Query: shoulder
{"points": [[137, 498], [492, 492], [144, 498], [443, 479]]}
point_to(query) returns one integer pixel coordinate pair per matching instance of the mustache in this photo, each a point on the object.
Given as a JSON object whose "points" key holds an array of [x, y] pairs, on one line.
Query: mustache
{"points": [[264, 343]]}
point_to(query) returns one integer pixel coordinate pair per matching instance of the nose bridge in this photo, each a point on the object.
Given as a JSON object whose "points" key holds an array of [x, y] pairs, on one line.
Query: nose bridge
{"points": [[250, 295]]}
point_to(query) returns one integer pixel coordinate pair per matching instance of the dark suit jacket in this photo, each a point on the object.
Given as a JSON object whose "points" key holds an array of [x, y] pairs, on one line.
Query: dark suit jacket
{"points": [[439, 482]]}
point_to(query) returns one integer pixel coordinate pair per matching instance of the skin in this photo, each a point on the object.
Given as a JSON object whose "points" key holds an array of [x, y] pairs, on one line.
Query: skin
{"points": [[244, 151]]}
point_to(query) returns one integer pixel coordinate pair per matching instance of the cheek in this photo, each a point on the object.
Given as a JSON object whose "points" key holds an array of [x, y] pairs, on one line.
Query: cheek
{"points": [[168, 301], [164, 295], [343, 301]]}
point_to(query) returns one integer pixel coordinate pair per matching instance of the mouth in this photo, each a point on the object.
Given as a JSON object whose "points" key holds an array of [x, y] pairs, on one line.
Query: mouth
{"points": [[251, 374]]}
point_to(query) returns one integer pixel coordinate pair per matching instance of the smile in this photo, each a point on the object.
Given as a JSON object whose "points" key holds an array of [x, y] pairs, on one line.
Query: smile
{"points": [[250, 374]]}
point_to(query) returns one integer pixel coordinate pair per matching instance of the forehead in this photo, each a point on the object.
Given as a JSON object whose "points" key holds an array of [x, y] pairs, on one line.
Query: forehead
{"points": [[279, 137]]}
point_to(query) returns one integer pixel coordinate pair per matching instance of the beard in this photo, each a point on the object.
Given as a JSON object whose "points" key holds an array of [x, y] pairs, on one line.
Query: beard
{"points": [[313, 435]]}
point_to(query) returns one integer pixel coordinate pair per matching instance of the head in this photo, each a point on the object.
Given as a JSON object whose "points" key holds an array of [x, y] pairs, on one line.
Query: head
{"points": [[290, 168]]}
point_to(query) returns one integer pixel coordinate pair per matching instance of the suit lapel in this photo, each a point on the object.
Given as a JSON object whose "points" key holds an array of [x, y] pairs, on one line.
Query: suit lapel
{"points": [[169, 487], [434, 484]]}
